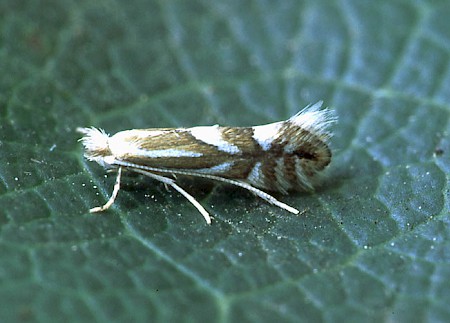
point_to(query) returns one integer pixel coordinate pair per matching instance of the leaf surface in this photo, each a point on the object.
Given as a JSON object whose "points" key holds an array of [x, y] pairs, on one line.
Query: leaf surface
{"points": [[373, 242]]}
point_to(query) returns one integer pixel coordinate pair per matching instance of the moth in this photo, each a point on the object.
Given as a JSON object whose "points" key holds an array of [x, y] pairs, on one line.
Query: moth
{"points": [[278, 157]]}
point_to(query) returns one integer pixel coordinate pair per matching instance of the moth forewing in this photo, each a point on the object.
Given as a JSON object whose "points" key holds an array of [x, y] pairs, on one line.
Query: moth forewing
{"points": [[281, 156]]}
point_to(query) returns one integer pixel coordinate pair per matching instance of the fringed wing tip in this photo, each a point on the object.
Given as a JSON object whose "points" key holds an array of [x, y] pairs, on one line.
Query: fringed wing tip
{"points": [[315, 119]]}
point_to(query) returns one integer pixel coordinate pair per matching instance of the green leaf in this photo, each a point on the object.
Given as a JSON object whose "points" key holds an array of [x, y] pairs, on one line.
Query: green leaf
{"points": [[372, 244]]}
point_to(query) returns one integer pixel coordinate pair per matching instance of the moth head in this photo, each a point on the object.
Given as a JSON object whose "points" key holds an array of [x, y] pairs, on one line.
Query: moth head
{"points": [[96, 145]]}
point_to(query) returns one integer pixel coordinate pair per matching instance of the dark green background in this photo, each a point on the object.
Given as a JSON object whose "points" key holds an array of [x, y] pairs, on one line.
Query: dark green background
{"points": [[373, 242]]}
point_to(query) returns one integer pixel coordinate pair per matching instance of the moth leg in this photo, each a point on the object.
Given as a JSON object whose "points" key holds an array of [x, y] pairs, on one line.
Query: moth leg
{"points": [[113, 195], [171, 182]]}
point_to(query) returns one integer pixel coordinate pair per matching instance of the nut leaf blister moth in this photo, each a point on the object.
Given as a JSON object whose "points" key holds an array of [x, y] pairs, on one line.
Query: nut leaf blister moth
{"points": [[281, 156]]}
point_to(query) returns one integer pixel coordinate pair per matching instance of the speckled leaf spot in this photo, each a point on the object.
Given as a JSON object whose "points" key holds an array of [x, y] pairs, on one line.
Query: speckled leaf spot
{"points": [[280, 157]]}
